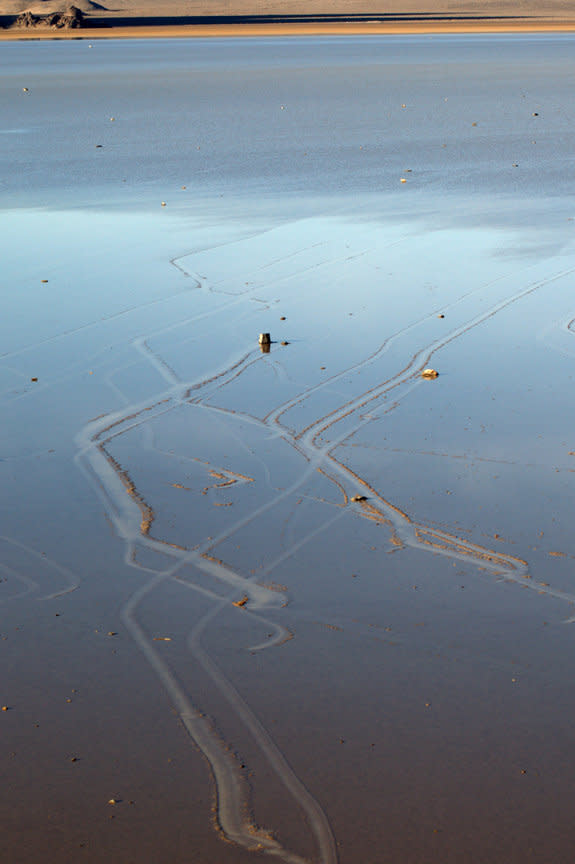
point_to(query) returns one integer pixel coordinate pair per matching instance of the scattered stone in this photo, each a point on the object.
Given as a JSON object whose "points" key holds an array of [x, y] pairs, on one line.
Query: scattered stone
{"points": [[112, 633], [43, 281], [441, 315], [535, 114], [285, 343], [163, 203], [25, 90], [429, 373], [359, 498], [99, 146], [264, 339], [33, 379], [403, 180], [283, 318], [241, 602], [5, 708]]}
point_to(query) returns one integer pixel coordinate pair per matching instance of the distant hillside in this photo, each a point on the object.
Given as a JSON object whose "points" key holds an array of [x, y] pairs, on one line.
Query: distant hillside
{"points": [[161, 8]]}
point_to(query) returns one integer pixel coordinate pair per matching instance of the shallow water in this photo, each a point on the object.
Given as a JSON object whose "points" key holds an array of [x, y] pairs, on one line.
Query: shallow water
{"points": [[192, 606]]}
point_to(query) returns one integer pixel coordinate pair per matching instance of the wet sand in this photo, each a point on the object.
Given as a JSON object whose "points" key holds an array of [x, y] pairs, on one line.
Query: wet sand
{"points": [[299, 604]]}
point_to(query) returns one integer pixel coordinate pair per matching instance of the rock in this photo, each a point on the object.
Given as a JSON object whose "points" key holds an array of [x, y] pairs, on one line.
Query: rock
{"points": [[70, 18], [429, 373], [241, 602], [358, 498], [264, 339]]}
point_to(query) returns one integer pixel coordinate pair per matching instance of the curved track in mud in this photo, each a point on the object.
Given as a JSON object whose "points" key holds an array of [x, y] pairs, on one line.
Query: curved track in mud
{"points": [[316, 446]]}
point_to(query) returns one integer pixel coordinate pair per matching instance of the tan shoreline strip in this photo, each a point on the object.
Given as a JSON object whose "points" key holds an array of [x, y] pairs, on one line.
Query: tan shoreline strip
{"points": [[532, 25]]}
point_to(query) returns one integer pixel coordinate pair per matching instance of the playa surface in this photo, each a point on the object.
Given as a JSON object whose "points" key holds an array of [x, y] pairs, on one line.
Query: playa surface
{"points": [[298, 604]]}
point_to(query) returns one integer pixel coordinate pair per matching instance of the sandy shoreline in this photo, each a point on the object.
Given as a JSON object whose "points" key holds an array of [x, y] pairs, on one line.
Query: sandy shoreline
{"points": [[329, 28]]}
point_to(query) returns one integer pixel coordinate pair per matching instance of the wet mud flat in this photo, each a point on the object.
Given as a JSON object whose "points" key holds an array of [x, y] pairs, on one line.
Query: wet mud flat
{"points": [[300, 603]]}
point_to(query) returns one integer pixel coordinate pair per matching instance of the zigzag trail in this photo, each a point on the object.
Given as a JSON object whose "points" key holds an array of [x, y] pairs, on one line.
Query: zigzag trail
{"points": [[133, 519]]}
